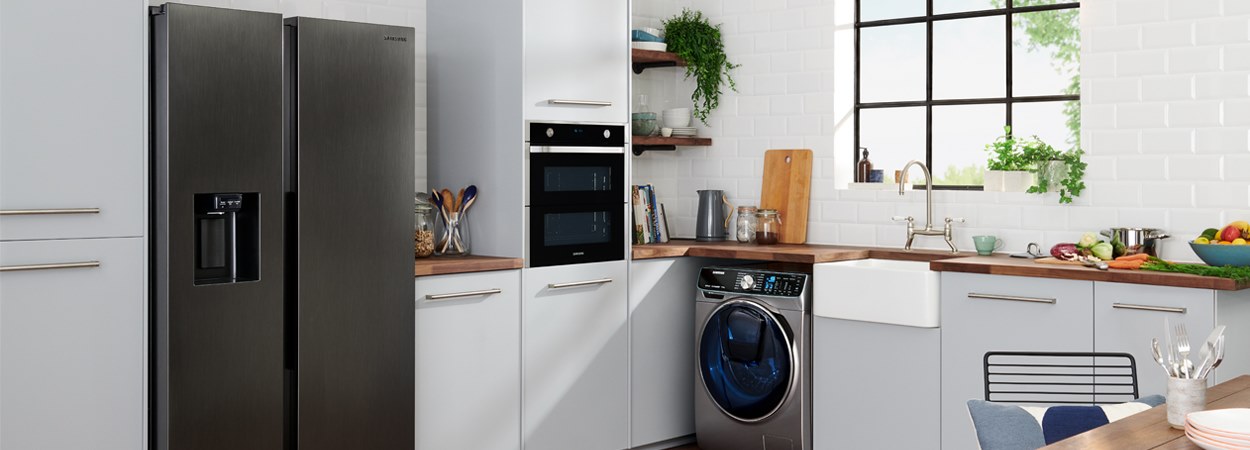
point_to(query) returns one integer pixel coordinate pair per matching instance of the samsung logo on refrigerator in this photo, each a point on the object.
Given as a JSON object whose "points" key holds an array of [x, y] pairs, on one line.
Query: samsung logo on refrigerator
{"points": [[395, 38]]}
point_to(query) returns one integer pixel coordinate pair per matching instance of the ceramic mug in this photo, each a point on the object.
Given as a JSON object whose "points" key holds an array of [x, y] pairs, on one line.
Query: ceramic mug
{"points": [[666, 131], [987, 244]]}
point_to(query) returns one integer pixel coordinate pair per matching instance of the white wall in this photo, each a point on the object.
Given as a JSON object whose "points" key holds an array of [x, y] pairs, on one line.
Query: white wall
{"points": [[409, 13], [1166, 110]]}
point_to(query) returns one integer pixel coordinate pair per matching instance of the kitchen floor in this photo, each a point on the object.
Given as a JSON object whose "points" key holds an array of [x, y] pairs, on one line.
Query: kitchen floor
{"points": [[686, 447]]}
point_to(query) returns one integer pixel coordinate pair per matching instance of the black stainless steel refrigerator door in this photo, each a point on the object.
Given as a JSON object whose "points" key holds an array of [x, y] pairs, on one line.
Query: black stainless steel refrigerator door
{"points": [[217, 372], [352, 108]]}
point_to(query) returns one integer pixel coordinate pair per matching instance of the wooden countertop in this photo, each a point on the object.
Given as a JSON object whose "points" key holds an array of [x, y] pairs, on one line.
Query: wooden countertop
{"points": [[443, 265], [1002, 265], [794, 253], [1150, 429], [938, 260]]}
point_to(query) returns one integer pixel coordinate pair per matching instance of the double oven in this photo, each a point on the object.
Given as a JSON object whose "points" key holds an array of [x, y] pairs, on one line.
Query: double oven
{"points": [[575, 199]]}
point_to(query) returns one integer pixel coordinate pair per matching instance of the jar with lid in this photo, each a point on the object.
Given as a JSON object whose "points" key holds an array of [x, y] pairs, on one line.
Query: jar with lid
{"points": [[768, 227], [746, 224], [423, 229]]}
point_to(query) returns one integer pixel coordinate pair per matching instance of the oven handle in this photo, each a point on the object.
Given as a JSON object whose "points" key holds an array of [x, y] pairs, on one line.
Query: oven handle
{"points": [[575, 149], [599, 103], [579, 283]]}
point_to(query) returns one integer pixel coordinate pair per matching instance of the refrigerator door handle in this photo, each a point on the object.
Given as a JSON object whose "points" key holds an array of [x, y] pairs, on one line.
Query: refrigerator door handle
{"points": [[445, 297]]}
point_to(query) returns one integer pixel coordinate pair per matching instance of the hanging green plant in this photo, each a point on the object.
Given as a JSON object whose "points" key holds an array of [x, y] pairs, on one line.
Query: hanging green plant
{"points": [[697, 41]]}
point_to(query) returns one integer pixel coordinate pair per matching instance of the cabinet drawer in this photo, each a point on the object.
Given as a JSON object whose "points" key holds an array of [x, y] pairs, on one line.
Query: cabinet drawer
{"points": [[72, 344], [74, 125], [468, 361], [1128, 316]]}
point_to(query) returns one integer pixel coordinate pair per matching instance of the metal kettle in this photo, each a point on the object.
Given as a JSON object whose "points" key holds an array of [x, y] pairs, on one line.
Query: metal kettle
{"points": [[713, 216]]}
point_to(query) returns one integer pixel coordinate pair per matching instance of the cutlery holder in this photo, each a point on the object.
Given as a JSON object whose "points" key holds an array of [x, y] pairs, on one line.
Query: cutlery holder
{"points": [[1185, 395]]}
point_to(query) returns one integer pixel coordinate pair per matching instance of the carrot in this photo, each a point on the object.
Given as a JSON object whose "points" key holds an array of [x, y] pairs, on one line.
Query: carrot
{"points": [[1132, 264], [1136, 257]]}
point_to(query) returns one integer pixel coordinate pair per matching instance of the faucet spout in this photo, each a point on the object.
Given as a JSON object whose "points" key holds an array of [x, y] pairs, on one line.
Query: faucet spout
{"points": [[928, 188]]}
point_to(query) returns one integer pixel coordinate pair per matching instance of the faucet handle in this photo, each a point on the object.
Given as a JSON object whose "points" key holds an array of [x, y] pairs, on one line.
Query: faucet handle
{"points": [[902, 218], [955, 219]]}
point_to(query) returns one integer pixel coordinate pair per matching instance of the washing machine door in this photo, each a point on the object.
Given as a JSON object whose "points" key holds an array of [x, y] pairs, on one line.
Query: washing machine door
{"points": [[746, 359]]}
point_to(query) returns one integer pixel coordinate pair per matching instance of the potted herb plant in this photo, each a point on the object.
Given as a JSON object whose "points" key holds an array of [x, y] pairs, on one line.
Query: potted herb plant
{"points": [[699, 43], [1007, 170]]}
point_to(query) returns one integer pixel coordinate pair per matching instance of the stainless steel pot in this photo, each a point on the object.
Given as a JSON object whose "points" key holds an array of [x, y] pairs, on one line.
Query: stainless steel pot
{"points": [[1137, 240]]}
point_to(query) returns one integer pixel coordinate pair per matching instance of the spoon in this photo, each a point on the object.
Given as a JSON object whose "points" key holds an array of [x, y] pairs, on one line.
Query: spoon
{"points": [[460, 200], [1158, 355], [470, 194], [449, 200]]}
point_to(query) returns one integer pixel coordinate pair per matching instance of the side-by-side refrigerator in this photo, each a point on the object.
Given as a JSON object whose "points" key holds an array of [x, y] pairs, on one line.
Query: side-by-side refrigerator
{"points": [[282, 183]]}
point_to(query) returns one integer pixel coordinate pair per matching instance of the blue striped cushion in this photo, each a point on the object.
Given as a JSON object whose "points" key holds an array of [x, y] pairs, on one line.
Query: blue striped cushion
{"points": [[1010, 427]]}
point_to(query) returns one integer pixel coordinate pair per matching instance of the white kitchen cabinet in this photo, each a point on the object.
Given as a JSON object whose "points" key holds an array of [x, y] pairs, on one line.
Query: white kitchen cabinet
{"points": [[73, 121], [1127, 316], [468, 361], [662, 354], [72, 349], [982, 313], [576, 51], [575, 352]]}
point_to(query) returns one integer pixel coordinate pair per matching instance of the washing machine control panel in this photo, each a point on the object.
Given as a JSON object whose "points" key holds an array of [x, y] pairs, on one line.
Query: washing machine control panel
{"points": [[778, 284]]}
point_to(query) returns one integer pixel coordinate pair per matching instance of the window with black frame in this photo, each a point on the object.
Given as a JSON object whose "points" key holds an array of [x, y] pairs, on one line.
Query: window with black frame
{"points": [[937, 80]]}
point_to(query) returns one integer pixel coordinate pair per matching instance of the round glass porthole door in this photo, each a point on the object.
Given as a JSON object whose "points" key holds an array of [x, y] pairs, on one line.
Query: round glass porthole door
{"points": [[745, 360]]}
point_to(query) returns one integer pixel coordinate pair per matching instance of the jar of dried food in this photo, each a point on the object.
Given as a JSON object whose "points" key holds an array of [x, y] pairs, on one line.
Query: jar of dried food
{"points": [[768, 227], [423, 229], [746, 224]]}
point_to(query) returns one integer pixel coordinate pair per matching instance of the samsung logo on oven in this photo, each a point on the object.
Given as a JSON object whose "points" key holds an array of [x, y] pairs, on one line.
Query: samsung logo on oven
{"points": [[395, 38], [579, 253]]}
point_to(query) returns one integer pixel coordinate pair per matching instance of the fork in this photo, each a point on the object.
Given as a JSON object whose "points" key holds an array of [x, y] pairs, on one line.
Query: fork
{"points": [[1182, 346]]}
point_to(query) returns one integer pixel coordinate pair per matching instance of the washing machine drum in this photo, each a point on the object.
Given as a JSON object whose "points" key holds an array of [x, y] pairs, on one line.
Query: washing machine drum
{"points": [[746, 360]]}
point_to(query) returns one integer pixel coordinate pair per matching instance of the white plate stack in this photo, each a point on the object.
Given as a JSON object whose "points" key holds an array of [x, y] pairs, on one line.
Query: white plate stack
{"points": [[685, 132], [1219, 429], [676, 118]]}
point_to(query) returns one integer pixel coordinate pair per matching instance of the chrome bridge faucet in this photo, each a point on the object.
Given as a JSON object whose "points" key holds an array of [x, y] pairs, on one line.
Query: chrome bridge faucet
{"points": [[928, 225]]}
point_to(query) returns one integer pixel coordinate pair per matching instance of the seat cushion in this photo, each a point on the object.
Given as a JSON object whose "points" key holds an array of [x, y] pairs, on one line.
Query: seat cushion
{"points": [[1002, 426]]}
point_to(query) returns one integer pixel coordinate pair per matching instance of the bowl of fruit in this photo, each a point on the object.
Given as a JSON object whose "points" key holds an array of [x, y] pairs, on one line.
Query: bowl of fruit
{"points": [[1225, 246]]}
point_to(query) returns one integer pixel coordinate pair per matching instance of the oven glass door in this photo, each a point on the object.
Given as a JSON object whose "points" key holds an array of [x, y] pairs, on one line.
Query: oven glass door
{"points": [[576, 234], [576, 178]]}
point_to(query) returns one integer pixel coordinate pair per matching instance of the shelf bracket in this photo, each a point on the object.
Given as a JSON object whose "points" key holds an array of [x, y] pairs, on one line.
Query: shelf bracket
{"points": [[639, 67], [640, 149]]}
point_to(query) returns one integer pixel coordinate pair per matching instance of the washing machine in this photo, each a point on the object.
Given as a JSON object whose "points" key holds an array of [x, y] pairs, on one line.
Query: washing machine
{"points": [[753, 359]]}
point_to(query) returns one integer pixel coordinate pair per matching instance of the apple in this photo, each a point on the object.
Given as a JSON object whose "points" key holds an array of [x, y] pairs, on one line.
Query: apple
{"points": [[1230, 233]]}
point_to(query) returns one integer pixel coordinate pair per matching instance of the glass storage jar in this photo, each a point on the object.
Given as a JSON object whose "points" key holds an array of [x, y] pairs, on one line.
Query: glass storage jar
{"points": [[746, 224], [423, 229], [768, 228]]}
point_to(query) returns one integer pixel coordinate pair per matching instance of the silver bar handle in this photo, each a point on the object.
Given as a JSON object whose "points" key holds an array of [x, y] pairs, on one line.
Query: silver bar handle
{"points": [[441, 297], [599, 103], [35, 212], [70, 265], [579, 283], [1012, 298], [1167, 309]]}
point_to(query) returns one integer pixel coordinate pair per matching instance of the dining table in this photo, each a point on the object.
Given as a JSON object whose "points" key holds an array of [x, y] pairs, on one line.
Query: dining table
{"points": [[1150, 430]]}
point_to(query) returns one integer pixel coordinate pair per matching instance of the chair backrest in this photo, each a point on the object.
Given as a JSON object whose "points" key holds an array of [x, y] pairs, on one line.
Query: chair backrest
{"points": [[1060, 377]]}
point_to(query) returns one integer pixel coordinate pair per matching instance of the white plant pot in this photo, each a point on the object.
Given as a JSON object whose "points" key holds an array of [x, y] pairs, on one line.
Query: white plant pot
{"points": [[1054, 171], [993, 181], [1017, 181]]}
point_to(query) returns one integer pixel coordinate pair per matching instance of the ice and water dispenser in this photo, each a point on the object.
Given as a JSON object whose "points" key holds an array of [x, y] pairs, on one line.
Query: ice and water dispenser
{"points": [[227, 237]]}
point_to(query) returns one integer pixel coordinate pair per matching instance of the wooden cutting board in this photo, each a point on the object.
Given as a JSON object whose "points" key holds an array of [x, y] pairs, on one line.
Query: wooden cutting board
{"points": [[1057, 262], [787, 188]]}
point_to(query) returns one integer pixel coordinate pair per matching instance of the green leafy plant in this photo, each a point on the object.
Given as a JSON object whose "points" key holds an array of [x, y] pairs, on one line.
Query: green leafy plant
{"points": [[1032, 154], [697, 41]]}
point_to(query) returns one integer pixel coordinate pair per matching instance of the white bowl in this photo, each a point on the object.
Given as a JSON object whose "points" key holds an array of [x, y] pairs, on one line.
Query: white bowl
{"points": [[655, 46], [677, 122]]}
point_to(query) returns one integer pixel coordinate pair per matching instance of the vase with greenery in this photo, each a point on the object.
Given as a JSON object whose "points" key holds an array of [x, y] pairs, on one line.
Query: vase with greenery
{"points": [[699, 43], [1007, 169]]}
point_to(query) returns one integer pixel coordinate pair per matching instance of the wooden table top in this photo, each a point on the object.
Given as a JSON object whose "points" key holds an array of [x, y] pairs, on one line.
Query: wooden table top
{"points": [[1150, 429]]}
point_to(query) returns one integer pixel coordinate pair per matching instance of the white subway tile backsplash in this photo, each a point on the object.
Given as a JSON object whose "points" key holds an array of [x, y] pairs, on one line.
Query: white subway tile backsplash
{"points": [[1237, 57], [1177, 33], [1115, 90], [1193, 59], [1115, 39], [1150, 62], [1167, 141], [1193, 9], [1225, 31], [1141, 115], [1222, 195], [1114, 194], [1141, 11], [1237, 168], [1194, 168], [1194, 114], [1167, 88], [1221, 140], [1221, 85]]}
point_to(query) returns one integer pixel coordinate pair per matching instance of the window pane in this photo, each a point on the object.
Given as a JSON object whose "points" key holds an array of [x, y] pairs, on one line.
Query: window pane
{"points": [[892, 63], [1048, 121], [969, 58], [1047, 53], [959, 137], [890, 9], [950, 6], [893, 136]]}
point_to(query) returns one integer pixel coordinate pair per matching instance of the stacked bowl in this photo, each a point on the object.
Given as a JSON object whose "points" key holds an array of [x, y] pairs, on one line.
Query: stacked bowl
{"points": [[676, 118]]}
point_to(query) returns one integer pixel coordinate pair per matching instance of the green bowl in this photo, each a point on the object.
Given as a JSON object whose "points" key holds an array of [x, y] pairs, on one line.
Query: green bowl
{"points": [[1222, 254]]}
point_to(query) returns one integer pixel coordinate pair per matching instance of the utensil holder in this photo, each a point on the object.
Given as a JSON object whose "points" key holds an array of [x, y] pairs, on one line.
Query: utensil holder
{"points": [[454, 240], [1185, 395]]}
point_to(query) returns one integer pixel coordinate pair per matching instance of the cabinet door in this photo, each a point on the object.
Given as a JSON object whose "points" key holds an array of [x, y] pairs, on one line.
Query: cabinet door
{"points": [[1127, 316], [982, 313], [662, 355], [73, 77], [72, 345], [469, 361], [575, 351], [578, 51]]}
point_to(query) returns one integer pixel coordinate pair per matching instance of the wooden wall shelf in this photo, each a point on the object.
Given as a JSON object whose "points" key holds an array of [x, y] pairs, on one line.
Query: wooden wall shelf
{"points": [[643, 144], [646, 59]]}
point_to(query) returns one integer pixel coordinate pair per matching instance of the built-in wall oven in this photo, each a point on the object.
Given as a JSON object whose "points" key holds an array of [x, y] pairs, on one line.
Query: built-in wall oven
{"points": [[575, 201]]}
